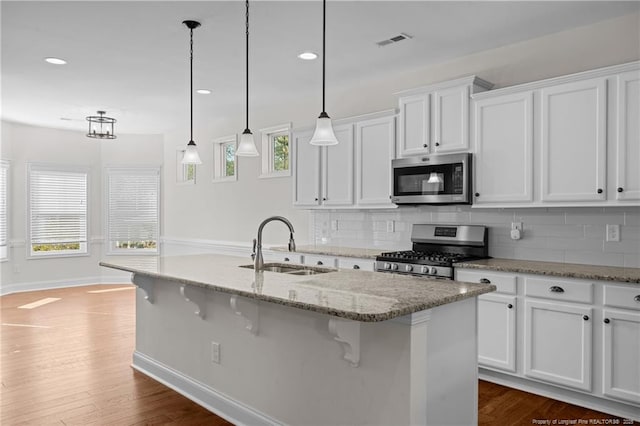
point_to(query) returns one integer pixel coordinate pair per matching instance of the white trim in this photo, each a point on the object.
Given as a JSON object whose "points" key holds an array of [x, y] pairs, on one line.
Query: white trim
{"points": [[267, 151], [353, 119], [218, 159], [203, 395], [62, 283], [470, 80], [6, 164]]}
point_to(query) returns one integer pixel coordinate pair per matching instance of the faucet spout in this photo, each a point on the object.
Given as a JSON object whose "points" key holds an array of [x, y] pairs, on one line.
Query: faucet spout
{"points": [[258, 262]]}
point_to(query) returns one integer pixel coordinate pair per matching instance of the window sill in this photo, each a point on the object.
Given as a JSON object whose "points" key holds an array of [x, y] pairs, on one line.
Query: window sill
{"points": [[282, 174], [56, 255], [225, 179]]}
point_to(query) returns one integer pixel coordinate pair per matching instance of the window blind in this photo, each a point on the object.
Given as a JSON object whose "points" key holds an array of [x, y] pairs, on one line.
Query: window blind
{"points": [[57, 206], [4, 179], [133, 208]]}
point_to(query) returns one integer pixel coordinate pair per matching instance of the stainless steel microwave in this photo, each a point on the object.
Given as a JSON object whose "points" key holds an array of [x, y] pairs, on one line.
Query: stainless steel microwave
{"points": [[433, 179]]}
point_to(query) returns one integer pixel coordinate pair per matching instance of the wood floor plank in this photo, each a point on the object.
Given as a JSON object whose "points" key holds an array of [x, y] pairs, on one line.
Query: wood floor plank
{"points": [[78, 371]]}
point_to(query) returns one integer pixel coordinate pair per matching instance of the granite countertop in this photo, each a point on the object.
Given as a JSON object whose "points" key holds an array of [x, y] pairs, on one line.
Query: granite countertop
{"points": [[568, 270], [361, 253], [353, 294]]}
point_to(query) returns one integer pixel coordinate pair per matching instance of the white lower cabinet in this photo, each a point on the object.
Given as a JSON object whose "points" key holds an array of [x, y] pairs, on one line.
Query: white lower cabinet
{"points": [[355, 263], [558, 343], [319, 260], [497, 331], [621, 364]]}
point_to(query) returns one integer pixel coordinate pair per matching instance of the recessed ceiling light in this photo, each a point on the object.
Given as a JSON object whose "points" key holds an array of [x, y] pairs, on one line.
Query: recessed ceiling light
{"points": [[204, 91], [307, 56], [55, 61]]}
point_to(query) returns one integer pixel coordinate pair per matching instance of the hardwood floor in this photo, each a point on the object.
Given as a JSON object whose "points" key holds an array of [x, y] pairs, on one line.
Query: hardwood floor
{"points": [[67, 362]]}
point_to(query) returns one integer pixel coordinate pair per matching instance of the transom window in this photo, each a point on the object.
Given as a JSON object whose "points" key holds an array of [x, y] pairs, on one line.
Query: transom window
{"points": [[225, 167], [58, 211], [276, 151]]}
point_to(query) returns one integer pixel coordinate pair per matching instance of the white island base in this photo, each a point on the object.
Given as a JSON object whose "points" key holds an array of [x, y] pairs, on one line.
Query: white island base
{"points": [[284, 365]]}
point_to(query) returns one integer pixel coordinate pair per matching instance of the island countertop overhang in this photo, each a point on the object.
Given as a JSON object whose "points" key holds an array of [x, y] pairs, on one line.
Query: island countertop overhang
{"points": [[356, 295]]}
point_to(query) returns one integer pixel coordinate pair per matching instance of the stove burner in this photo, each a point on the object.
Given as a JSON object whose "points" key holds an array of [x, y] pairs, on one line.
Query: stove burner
{"points": [[412, 255]]}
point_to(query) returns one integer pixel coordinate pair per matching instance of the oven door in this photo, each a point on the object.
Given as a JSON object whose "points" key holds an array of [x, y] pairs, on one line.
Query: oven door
{"points": [[443, 179]]}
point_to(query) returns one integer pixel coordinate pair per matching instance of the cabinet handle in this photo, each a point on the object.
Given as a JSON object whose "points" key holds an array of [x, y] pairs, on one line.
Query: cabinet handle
{"points": [[484, 281], [424, 145], [437, 144], [599, 190], [319, 262], [510, 306], [620, 189], [356, 267], [606, 321], [286, 259], [477, 194], [637, 298], [556, 289], [585, 317]]}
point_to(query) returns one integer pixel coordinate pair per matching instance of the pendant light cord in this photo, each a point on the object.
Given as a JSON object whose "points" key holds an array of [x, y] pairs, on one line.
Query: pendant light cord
{"points": [[247, 67], [324, 27], [191, 79]]}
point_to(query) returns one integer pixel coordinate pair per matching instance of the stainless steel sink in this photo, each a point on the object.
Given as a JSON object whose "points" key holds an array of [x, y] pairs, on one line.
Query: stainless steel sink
{"points": [[292, 269]]}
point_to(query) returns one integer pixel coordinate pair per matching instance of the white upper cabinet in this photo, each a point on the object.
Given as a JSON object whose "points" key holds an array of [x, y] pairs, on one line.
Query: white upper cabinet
{"points": [[306, 171], [375, 143], [435, 119], [574, 141], [337, 181], [504, 147], [628, 137], [575, 137]]}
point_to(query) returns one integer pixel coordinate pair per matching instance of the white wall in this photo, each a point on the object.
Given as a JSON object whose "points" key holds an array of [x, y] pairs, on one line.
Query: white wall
{"points": [[22, 144], [232, 211]]}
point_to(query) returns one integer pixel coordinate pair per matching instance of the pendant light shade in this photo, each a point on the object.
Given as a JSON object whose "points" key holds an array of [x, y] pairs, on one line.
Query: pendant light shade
{"points": [[324, 135], [247, 146], [191, 154]]}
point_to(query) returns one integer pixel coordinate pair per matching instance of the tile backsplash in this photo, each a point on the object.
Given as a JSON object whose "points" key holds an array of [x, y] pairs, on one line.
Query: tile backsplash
{"points": [[571, 235]]}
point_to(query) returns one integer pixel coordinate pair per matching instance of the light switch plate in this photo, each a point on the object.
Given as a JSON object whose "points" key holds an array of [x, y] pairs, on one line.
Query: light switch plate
{"points": [[215, 352], [390, 226]]}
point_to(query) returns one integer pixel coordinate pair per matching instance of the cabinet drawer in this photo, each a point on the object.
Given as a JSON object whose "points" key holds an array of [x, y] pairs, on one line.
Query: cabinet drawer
{"points": [[622, 296], [505, 283], [353, 263], [275, 256], [310, 259], [549, 288]]}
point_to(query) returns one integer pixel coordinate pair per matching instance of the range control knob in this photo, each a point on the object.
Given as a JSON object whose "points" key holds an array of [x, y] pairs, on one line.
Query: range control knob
{"points": [[386, 265], [433, 271], [408, 268], [394, 266], [424, 269]]}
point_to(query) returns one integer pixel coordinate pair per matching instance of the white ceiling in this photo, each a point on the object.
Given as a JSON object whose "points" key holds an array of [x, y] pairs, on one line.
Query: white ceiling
{"points": [[130, 58]]}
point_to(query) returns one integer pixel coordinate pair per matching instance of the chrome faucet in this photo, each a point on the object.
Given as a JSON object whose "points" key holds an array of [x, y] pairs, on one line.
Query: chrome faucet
{"points": [[258, 262]]}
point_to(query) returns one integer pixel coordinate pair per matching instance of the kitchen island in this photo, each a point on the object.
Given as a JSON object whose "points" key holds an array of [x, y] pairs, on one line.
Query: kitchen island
{"points": [[334, 347]]}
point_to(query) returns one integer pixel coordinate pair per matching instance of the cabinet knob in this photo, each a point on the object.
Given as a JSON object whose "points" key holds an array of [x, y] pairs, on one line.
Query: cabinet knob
{"points": [[510, 306], [437, 144], [599, 190], [585, 317], [485, 281], [556, 289], [319, 262], [316, 199], [324, 198], [286, 259], [425, 145], [637, 298], [607, 321], [356, 267], [477, 194], [620, 189]]}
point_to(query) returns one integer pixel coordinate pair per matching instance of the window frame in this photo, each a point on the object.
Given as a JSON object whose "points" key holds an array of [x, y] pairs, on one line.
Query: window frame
{"points": [[62, 253], [267, 135], [181, 169], [111, 250], [219, 163], [5, 254]]}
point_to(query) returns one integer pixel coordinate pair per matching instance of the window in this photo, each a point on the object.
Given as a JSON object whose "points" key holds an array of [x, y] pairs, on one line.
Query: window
{"points": [[4, 214], [57, 211], [225, 167], [185, 173], [133, 210], [275, 151]]}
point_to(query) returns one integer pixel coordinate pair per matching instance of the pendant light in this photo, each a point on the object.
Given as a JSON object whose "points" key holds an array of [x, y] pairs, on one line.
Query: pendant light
{"points": [[101, 126], [324, 130], [247, 146], [191, 154]]}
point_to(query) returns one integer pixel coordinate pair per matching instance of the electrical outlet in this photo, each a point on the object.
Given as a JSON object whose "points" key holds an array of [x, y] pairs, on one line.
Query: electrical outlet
{"points": [[215, 352], [334, 225], [391, 226], [516, 225], [613, 233]]}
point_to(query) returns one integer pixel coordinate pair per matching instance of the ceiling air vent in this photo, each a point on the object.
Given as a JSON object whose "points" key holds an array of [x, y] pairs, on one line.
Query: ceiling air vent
{"points": [[394, 39]]}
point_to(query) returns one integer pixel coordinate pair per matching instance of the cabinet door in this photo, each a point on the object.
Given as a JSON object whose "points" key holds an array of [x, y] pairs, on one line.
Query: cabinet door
{"points": [[415, 124], [621, 375], [628, 143], [375, 143], [558, 343], [338, 169], [497, 332], [451, 120], [504, 150], [573, 135], [306, 171]]}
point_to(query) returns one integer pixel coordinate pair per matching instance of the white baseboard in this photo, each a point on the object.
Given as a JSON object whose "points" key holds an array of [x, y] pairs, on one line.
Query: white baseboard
{"points": [[74, 282], [214, 401]]}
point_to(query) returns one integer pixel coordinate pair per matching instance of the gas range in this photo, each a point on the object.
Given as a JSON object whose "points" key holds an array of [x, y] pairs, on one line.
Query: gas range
{"points": [[436, 248]]}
